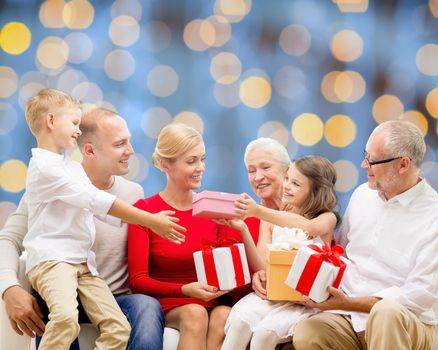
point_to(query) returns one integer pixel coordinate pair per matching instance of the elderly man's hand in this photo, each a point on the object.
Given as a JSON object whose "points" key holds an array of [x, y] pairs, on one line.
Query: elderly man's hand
{"points": [[338, 300]]}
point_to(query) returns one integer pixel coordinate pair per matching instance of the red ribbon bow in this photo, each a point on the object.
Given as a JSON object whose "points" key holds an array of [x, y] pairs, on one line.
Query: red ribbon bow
{"points": [[311, 270], [207, 247]]}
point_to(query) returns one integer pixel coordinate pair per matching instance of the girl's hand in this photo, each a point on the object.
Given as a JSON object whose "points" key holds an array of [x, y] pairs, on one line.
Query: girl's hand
{"points": [[259, 283], [201, 291], [248, 205]]}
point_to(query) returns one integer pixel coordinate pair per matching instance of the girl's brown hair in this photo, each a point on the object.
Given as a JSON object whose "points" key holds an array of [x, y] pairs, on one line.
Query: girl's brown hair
{"points": [[322, 175]]}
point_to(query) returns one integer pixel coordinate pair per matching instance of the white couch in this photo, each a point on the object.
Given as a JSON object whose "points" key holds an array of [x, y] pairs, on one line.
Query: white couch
{"points": [[9, 340]]}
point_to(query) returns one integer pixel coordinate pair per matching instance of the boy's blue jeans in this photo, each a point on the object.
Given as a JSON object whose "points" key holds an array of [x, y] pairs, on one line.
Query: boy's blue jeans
{"points": [[143, 312]]}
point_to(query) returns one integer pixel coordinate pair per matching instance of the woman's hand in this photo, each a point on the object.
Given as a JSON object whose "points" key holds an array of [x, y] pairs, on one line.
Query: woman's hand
{"points": [[201, 291], [166, 226]]}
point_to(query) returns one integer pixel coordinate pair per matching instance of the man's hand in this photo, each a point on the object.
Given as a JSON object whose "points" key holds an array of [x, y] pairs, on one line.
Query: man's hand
{"points": [[23, 312], [338, 300], [259, 283]]}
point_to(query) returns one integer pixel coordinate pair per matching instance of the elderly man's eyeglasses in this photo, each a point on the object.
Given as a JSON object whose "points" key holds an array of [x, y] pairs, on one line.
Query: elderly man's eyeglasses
{"points": [[370, 163]]}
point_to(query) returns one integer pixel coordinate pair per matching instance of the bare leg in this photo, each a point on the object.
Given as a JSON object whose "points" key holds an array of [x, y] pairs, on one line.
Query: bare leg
{"points": [[191, 320], [216, 325]]}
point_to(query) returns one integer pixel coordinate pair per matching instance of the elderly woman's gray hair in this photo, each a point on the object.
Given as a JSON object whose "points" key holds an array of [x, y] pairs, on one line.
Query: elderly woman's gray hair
{"points": [[278, 151], [403, 139]]}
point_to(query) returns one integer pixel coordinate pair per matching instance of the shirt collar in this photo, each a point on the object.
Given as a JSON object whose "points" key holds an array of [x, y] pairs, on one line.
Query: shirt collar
{"points": [[409, 195], [46, 154]]}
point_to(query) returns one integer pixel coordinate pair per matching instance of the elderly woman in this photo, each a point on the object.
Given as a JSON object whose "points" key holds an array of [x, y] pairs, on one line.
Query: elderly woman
{"points": [[267, 162], [165, 270]]}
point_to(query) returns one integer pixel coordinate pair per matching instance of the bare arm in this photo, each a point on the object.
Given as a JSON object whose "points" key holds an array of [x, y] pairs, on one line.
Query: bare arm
{"points": [[323, 225], [340, 301], [161, 223]]}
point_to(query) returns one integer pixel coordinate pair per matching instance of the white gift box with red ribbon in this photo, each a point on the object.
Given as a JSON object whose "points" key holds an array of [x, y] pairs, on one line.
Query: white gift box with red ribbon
{"points": [[223, 267], [315, 268]]}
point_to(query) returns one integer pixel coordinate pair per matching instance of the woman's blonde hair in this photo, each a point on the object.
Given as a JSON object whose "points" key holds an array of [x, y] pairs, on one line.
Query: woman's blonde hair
{"points": [[46, 101], [322, 176], [174, 140]]}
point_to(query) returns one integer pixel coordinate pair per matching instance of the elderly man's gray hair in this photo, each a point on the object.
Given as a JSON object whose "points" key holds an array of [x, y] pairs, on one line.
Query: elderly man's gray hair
{"points": [[403, 139]]}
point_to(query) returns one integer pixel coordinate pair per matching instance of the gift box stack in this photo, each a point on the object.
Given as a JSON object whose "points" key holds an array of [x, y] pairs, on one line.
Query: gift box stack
{"points": [[224, 266], [315, 268], [280, 256]]}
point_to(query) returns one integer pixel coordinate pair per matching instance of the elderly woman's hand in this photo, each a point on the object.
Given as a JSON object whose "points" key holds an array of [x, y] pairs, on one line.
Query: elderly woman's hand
{"points": [[201, 291]]}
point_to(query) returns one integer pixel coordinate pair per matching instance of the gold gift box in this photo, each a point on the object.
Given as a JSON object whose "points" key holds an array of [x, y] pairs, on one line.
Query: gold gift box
{"points": [[278, 265]]}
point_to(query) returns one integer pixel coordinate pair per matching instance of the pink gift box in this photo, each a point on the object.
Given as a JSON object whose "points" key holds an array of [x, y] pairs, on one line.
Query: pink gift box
{"points": [[223, 267], [215, 205], [315, 268]]}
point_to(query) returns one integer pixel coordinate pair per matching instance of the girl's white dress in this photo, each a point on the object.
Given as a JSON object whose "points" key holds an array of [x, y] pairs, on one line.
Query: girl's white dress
{"points": [[277, 316]]}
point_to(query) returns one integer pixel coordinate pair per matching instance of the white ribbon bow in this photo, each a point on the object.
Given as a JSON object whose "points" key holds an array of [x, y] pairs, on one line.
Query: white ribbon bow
{"points": [[289, 238]]}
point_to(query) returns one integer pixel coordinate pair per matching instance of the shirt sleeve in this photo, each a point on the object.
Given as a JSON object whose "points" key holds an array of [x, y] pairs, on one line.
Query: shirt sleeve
{"points": [[11, 246], [48, 184], [138, 261], [420, 290]]}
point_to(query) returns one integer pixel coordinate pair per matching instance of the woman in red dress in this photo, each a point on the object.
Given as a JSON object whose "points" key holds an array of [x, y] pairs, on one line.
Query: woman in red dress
{"points": [[165, 270]]}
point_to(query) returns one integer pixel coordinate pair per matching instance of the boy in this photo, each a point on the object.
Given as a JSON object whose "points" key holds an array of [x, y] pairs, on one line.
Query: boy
{"points": [[61, 201]]}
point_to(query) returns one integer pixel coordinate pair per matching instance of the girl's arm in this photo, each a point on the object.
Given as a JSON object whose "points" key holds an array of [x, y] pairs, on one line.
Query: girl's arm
{"points": [[323, 225]]}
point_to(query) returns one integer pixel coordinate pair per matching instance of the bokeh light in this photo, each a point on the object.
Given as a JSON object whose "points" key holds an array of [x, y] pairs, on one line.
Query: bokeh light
{"points": [[8, 118], [130, 8], [432, 102], [347, 175], [153, 120], [295, 40], [8, 81], [51, 13], [80, 47], [6, 208], [427, 59], [340, 130], [191, 119], [352, 5], [290, 82], [233, 10], [119, 65], [418, 119], [138, 168], [157, 36], [255, 92], [124, 30], [387, 107], [307, 129], [199, 35], [275, 130], [347, 45], [15, 38], [52, 52], [78, 14], [87, 92], [227, 95], [222, 30], [162, 81], [225, 68], [13, 175]]}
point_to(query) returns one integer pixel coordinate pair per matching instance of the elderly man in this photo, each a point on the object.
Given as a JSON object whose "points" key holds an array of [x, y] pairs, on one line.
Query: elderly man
{"points": [[390, 235], [106, 149]]}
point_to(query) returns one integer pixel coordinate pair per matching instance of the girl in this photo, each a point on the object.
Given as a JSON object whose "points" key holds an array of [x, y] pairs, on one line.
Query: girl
{"points": [[309, 203]]}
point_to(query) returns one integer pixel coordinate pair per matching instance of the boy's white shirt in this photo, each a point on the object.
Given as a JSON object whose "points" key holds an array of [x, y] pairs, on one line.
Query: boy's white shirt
{"points": [[61, 203]]}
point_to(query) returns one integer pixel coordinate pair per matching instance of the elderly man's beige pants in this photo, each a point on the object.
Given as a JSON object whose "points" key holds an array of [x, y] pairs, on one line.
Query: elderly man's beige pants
{"points": [[58, 284], [390, 326]]}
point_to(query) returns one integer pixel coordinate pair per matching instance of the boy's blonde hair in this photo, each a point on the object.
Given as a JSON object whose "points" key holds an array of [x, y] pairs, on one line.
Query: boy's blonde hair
{"points": [[46, 101]]}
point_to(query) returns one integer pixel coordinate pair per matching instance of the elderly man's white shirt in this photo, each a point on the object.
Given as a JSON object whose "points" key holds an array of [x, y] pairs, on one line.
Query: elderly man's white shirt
{"points": [[393, 246], [61, 203]]}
